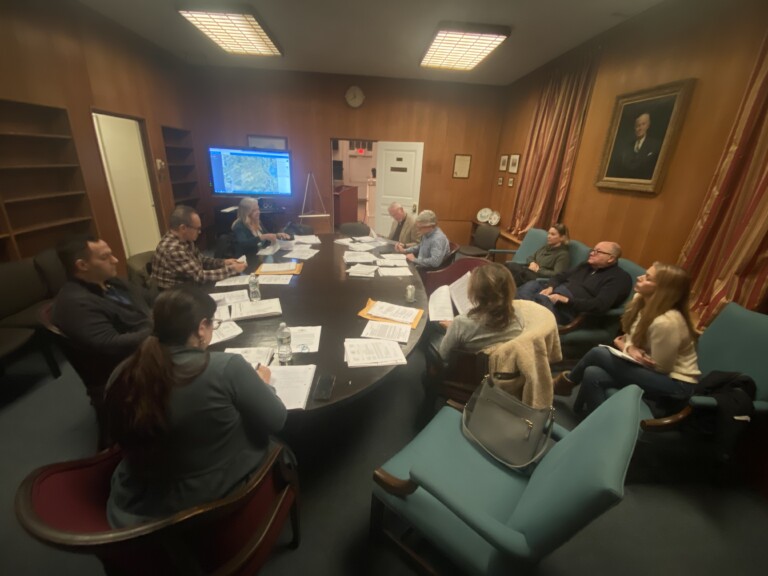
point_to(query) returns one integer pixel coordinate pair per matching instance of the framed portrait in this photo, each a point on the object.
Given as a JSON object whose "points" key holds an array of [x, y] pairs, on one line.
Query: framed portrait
{"points": [[510, 181], [461, 164], [642, 135], [514, 163], [500, 181], [503, 163]]}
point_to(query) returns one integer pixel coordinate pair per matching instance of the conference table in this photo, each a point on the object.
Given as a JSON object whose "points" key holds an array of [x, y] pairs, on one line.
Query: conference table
{"points": [[323, 294]]}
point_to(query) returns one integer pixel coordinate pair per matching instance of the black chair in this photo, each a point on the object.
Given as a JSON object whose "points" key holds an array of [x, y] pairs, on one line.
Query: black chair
{"points": [[483, 239], [354, 229], [140, 269]]}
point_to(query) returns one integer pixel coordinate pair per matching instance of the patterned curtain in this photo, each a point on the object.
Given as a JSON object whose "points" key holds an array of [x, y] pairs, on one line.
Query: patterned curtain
{"points": [[727, 250], [551, 149]]}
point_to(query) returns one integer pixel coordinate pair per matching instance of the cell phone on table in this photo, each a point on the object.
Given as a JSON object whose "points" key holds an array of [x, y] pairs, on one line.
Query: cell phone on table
{"points": [[324, 388]]}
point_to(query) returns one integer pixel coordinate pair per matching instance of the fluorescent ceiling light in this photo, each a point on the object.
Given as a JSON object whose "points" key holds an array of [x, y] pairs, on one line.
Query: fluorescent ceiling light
{"points": [[236, 33], [462, 46]]}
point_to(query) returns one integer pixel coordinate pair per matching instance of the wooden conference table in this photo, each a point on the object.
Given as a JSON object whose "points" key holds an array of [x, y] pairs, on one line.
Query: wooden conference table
{"points": [[325, 295]]}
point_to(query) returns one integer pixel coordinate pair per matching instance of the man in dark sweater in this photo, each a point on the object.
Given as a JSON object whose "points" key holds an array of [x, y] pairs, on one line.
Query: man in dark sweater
{"points": [[593, 287]]}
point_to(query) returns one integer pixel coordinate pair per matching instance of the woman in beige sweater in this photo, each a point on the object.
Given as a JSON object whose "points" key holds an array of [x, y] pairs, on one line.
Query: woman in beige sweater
{"points": [[658, 345]]}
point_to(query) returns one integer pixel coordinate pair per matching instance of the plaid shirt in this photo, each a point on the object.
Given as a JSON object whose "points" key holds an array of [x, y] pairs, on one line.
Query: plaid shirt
{"points": [[178, 262]]}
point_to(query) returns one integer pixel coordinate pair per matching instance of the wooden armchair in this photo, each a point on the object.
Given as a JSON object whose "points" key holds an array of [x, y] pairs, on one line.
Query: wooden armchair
{"points": [[64, 505]]}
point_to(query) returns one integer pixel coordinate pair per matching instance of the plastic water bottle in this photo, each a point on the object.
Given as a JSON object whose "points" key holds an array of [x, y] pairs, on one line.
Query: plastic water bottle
{"points": [[254, 292], [284, 352]]}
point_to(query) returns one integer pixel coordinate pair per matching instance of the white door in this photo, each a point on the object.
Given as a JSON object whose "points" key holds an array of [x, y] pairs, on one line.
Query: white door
{"points": [[122, 154], [398, 179]]}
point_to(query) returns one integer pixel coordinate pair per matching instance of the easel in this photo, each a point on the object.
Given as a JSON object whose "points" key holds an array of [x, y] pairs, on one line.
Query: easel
{"points": [[304, 214]]}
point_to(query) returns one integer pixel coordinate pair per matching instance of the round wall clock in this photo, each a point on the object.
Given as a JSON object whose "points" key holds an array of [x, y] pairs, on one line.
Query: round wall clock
{"points": [[355, 96]]}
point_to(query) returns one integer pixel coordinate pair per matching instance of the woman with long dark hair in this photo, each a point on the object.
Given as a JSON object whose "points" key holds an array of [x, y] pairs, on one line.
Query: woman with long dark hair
{"points": [[659, 339], [549, 260], [193, 424], [492, 318]]}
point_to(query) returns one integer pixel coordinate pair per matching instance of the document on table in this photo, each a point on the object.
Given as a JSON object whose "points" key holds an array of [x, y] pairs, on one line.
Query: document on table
{"points": [[229, 298], [222, 313], [361, 352], [256, 309], [308, 239], [254, 356], [305, 338], [302, 253], [233, 281], [362, 270], [292, 384], [286, 244], [391, 263], [387, 331], [619, 354], [363, 238], [393, 312], [355, 257], [366, 313], [394, 257], [275, 279], [280, 268], [344, 241], [226, 331], [396, 271], [269, 250], [440, 305], [362, 246], [460, 294]]}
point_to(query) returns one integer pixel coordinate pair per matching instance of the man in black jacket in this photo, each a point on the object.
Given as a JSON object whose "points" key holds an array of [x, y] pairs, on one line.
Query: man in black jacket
{"points": [[96, 310], [593, 287]]}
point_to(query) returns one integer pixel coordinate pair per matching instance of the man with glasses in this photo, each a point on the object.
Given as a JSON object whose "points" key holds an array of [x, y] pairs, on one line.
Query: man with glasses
{"points": [[592, 287], [178, 260]]}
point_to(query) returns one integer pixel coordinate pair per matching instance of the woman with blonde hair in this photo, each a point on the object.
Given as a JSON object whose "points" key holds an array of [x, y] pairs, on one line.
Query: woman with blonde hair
{"points": [[659, 345], [247, 228], [492, 318]]}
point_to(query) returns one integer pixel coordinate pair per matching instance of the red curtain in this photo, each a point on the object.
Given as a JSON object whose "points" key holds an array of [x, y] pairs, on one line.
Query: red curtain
{"points": [[727, 250], [550, 152]]}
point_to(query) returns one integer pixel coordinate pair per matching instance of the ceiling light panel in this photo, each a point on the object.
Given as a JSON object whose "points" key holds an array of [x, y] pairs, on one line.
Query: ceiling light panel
{"points": [[235, 33], [463, 46]]}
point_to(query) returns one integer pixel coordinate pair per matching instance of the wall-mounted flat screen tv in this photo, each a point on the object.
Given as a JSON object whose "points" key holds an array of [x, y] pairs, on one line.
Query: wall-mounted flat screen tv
{"points": [[250, 171]]}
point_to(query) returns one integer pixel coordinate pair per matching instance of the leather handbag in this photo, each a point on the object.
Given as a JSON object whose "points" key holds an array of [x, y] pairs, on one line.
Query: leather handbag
{"points": [[513, 433]]}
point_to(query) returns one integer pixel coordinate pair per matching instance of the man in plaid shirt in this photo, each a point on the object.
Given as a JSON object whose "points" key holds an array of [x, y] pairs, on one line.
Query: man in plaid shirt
{"points": [[178, 261]]}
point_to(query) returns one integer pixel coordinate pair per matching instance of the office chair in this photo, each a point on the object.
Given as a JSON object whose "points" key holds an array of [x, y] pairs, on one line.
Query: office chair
{"points": [[354, 229], [483, 239]]}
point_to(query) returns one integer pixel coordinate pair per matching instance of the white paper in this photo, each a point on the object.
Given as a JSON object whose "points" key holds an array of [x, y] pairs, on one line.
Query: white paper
{"points": [[362, 247], [286, 244], [363, 238], [396, 271], [393, 312], [310, 239], [353, 257], [226, 331], [233, 281], [394, 257], [269, 250], [222, 313], [302, 253], [460, 294], [387, 331], [229, 298], [254, 356], [362, 270], [284, 279], [243, 259], [293, 384], [305, 338], [440, 306], [228, 210], [361, 352], [344, 241], [618, 353], [275, 267], [392, 263], [257, 309]]}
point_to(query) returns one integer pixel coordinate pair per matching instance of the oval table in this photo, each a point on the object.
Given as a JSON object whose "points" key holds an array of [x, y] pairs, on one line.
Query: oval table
{"points": [[323, 294]]}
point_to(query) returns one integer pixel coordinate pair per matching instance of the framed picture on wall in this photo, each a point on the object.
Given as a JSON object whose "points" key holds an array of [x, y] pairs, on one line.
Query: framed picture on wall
{"points": [[510, 181], [500, 181], [461, 164], [641, 137], [268, 142], [514, 163], [503, 163]]}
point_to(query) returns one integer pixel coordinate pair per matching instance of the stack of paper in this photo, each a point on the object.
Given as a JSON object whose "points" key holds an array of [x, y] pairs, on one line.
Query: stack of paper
{"points": [[363, 238], [344, 241], [387, 331], [302, 253], [281, 268], [233, 281], [305, 338], [390, 263], [353, 257], [460, 294], [292, 384], [229, 298], [395, 257], [257, 309], [362, 352], [269, 250], [396, 271], [309, 239], [362, 271], [284, 279], [286, 244], [362, 246], [226, 331], [254, 356], [393, 312], [443, 299]]}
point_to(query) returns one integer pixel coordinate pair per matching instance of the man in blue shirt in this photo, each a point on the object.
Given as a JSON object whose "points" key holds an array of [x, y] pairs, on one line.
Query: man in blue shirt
{"points": [[434, 245]]}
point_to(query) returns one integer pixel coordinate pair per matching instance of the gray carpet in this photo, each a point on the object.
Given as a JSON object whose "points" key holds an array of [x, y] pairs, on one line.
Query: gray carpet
{"points": [[674, 528]]}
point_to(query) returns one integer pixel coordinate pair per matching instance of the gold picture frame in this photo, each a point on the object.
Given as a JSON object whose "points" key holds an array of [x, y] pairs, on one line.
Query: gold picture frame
{"points": [[644, 129]]}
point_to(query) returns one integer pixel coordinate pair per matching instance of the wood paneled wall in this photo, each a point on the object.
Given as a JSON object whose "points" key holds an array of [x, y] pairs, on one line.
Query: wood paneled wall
{"points": [[714, 41]]}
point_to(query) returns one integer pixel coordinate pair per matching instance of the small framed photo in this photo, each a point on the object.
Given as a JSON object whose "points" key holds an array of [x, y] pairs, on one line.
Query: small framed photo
{"points": [[514, 163], [510, 182], [503, 163], [500, 181], [461, 163]]}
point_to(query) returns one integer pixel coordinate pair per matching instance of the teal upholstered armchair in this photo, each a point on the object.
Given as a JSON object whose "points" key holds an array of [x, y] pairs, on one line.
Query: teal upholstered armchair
{"points": [[487, 519]]}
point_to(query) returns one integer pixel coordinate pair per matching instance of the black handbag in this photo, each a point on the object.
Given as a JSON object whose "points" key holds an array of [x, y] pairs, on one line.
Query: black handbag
{"points": [[513, 433]]}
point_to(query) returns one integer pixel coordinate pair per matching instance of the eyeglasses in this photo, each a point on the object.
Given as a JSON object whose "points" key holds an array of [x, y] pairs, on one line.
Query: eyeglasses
{"points": [[215, 323], [596, 251]]}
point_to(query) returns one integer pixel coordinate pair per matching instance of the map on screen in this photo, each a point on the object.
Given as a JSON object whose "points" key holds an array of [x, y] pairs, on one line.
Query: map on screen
{"points": [[250, 171]]}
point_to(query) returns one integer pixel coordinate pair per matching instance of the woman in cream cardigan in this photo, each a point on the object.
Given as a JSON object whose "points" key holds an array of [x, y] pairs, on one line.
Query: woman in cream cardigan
{"points": [[659, 340]]}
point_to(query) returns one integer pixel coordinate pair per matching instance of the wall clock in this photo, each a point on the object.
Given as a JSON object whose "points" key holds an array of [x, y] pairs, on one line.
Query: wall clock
{"points": [[355, 96]]}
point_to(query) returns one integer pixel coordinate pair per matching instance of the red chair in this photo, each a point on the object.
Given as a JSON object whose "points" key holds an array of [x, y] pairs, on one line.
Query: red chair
{"points": [[64, 505]]}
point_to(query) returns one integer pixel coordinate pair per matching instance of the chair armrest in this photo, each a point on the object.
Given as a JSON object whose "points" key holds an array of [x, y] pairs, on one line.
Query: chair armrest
{"points": [[392, 484], [456, 405], [497, 534], [501, 251], [702, 402], [667, 422], [573, 325], [559, 432]]}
